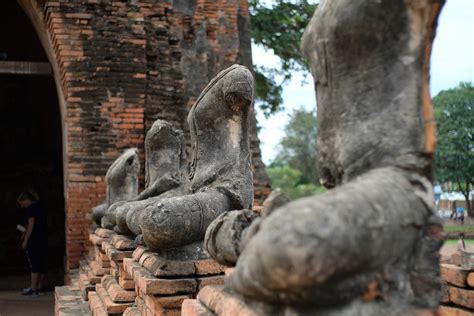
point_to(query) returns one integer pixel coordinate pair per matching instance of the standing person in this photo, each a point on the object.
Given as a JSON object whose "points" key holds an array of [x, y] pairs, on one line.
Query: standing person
{"points": [[461, 244], [35, 240]]}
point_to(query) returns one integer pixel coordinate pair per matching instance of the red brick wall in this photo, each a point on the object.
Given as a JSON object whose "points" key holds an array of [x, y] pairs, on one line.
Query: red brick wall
{"points": [[122, 65]]}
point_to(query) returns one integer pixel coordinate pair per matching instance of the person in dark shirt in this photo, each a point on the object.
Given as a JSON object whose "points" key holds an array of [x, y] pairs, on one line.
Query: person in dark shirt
{"points": [[35, 240]]}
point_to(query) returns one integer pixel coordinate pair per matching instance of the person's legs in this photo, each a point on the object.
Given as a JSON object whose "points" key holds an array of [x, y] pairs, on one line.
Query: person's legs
{"points": [[40, 282], [34, 281]]}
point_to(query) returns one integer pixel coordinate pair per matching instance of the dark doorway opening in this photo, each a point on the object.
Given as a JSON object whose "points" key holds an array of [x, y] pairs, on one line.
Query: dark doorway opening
{"points": [[30, 142]]}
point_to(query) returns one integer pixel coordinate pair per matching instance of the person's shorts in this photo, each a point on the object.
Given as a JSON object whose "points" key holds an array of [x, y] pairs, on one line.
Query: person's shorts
{"points": [[37, 260]]}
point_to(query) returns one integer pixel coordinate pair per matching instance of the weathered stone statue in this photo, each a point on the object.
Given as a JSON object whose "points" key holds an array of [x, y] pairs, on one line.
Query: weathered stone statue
{"points": [[121, 180], [220, 173], [165, 174], [369, 246]]}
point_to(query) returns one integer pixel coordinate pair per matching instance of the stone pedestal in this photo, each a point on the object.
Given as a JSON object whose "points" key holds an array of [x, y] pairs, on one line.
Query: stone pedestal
{"points": [[162, 285]]}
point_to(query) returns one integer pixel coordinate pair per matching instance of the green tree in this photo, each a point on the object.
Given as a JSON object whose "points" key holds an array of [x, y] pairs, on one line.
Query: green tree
{"points": [[289, 181], [298, 147], [278, 28], [454, 111]]}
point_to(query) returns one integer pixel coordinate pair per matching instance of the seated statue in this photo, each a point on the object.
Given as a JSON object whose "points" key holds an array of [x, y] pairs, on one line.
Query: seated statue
{"points": [[165, 174], [220, 172], [121, 180], [369, 245]]}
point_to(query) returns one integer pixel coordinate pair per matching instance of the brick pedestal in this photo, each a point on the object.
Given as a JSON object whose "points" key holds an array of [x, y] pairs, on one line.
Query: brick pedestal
{"points": [[120, 278], [96, 264], [162, 285], [115, 292], [68, 299], [457, 289]]}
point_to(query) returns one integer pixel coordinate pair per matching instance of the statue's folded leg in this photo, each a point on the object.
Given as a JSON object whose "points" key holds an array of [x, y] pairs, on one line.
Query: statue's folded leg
{"points": [[368, 229], [129, 208], [182, 220], [98, 212], [108, 220]]}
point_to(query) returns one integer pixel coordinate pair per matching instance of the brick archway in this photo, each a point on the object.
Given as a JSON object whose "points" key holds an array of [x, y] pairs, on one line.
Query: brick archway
{"points": [[31, 136]]}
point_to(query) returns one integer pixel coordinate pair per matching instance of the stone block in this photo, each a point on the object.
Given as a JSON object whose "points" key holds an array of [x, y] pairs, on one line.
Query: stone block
{"points": [[116, 292], [104, 233], [85, 285], [453, 274], [452, 311], [126, 284], [470, 279], [96, 306], [192, 307], [132, 311], [129, 265], [149, 284], [156, 307], [160, 267], [96, 240], [210, 280], [93, 279], [97, 269], [462, 297], [123, 274], [138, 252], [140, 303], [222, 303], [122, 242], [208, 266], [114, 272], [110, 306], [114, 254], [101, 256]]}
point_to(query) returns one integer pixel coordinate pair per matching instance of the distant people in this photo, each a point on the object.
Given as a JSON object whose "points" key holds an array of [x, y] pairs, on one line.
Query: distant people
{"points": [[460, 214], [34, 240]]}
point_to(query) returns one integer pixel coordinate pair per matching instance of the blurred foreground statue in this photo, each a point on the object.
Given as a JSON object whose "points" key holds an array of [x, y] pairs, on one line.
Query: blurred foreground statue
{"points": [[220, 174], [122, 182], [368, 246]]}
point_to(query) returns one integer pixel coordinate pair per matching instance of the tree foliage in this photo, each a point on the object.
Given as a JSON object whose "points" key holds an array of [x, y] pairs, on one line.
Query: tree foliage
{"points": [[298, 147], [279, 28], [294, 170], [454, 111], [289, 181]]}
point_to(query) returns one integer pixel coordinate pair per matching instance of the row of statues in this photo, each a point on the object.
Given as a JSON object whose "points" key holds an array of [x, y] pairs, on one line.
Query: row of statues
{"points": [[369, 245], [180, 201]]}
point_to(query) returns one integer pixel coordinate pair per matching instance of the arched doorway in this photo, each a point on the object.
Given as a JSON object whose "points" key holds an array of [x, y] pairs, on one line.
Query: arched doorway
{"points": [[30, 141]]}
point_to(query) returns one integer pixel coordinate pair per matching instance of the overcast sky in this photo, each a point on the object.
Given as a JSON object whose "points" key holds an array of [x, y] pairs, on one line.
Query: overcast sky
{"points": [[452, 61]]}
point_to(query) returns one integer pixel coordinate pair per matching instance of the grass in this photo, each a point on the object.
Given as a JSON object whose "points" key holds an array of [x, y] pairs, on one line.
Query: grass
{"points": [[460, 228], [466, 241]]}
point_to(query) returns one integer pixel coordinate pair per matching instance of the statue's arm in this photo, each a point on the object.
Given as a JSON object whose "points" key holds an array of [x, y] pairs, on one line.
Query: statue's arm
{"points": [[353, 228]]}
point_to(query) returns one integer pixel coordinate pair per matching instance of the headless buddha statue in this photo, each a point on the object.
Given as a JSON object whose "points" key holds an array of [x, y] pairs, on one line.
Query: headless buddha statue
{"points": [[165, 174], [368, 246], [121, 180], [220, 173]]}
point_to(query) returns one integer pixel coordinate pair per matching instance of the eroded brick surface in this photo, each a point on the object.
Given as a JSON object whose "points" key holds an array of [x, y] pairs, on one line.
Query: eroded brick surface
{"points": [[453, 274]]}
